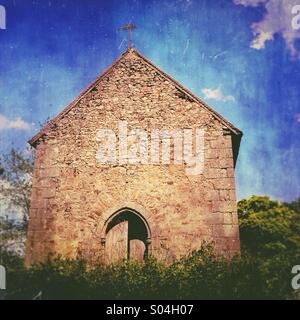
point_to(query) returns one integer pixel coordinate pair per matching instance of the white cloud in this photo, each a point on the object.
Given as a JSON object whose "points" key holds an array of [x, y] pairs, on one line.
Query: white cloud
{"points": [[16, 123], [216, 94], [252, 3], [297, 117], [260, 40], [277, 20]]}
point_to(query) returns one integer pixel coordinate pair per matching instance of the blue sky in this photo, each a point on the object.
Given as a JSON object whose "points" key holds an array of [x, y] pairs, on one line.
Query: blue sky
{"points": [[236, 54]]}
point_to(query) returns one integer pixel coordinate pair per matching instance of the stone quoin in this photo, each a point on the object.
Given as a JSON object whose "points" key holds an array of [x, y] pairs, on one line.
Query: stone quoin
{"points": [[81, 208]]}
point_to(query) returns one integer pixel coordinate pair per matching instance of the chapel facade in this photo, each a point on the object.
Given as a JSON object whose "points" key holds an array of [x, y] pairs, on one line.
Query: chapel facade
{"points": [[136, 165]]}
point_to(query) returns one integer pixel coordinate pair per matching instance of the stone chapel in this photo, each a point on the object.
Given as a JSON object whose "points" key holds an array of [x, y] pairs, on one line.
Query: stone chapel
{"points": [[109, 211]]}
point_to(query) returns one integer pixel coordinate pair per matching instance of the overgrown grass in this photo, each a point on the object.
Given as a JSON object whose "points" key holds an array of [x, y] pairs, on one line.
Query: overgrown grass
{"points": [[201, 275]]}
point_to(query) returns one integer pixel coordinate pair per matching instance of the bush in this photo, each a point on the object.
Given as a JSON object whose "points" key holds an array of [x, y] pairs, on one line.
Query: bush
{"points": [[201, 275]]}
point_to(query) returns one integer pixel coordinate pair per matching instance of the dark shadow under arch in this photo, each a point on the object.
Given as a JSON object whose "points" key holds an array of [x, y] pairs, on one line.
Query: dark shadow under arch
{"points": [[138, 228]]}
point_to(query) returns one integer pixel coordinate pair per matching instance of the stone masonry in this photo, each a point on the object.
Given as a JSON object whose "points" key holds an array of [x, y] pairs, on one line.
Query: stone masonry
{"points": [[74, 198]]}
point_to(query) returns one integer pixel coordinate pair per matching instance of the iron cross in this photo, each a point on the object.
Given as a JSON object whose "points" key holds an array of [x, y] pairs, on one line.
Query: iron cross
{"points": [[129, 27]]}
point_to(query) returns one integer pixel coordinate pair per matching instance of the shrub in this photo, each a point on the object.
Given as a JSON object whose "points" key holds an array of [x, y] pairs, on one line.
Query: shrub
{"points": [[201, 275]]}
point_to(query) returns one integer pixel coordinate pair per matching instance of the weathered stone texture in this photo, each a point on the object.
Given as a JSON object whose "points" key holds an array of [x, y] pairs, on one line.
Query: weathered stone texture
{"points": [[73, 195]]}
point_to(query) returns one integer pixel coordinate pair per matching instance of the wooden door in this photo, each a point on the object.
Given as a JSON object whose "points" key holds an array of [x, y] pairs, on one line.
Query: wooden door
{"points": [[116, 245], [137, 250]]}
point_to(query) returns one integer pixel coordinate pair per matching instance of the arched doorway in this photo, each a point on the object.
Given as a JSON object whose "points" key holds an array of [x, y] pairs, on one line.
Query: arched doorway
{"points": [[126, 236]]}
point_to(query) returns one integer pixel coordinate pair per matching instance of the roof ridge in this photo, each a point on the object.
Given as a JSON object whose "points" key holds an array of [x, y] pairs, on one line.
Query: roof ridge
{"points": [[191, 95], [73, 103]]}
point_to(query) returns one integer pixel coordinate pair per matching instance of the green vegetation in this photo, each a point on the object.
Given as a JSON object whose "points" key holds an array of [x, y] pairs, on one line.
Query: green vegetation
{"points": [[269, 228], [16, 170]]}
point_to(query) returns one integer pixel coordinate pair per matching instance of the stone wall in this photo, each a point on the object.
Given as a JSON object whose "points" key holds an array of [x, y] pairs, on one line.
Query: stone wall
{"points": [[73, 195]]}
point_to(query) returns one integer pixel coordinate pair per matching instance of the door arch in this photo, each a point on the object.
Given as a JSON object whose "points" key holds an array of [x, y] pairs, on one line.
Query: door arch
{"points": [[126, 235]]}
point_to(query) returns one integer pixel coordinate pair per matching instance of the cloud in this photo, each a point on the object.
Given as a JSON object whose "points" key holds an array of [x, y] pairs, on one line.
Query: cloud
{"points": [[259, 42], [297, 118], [277, 20], [216, 94], [252, 3], [17, 123]]}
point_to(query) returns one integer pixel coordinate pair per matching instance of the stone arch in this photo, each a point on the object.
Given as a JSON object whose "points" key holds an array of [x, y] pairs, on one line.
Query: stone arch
{"points": [[133, 230], [121, 205]]}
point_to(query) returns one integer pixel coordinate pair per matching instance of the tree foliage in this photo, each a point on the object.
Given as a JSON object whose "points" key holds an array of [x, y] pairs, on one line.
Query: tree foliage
{"points": [[201, 275], [269, 227], [16, 169], [16, 175]]}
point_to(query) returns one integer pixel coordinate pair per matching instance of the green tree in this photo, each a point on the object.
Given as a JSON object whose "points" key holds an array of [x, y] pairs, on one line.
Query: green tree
{"points": [[294, 205], [16, 174], [15, 191], [269, 227]]}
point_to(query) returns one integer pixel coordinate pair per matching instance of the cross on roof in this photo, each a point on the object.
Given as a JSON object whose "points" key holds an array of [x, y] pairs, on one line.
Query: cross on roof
{"points": [[129, 27]]}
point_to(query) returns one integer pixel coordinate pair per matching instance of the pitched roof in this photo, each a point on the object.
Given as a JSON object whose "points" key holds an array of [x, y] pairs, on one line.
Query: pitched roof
{"points": [[236, 133]]}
